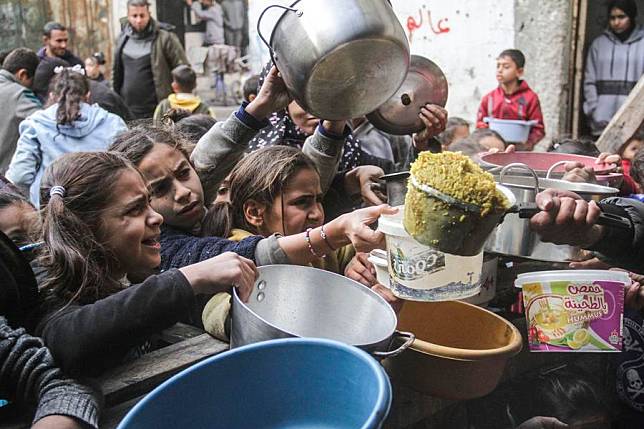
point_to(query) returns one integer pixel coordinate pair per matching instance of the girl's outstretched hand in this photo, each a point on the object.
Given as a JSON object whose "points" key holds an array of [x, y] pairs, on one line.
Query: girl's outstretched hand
{"points": [[217, 274], [355, 226]]}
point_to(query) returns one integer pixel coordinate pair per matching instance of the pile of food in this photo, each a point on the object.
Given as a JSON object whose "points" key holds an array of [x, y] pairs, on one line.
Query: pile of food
{"points": [[475, 207]]}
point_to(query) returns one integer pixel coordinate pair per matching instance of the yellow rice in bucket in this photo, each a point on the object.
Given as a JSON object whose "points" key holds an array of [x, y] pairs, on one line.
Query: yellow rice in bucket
{"points": [[435, 222]]}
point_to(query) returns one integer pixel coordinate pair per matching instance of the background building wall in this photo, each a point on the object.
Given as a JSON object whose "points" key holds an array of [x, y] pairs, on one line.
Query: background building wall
{"points": [[464, 38]]}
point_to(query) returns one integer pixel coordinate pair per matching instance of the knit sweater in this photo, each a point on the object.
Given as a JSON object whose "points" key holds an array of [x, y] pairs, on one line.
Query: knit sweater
{"points": [[179, 249], [89, 339], [28, 375]]}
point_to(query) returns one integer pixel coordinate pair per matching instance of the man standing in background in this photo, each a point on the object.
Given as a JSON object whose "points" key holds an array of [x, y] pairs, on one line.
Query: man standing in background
{"points": [[144, 57], [234, 19], [55, 39]]}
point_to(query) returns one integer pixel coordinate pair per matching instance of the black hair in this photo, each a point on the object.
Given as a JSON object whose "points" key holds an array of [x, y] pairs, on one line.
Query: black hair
{"points": [[138, 3], [515, 55], [453, 123], [99, 57], [565, 392], [10, 194], [185, 77], [637, 167], [137, 142], [44, 75], [3, 55], [195, 126], [51, 26], [628, 6], [68, 89], [19, 59], [251, 86], [581, 146]]}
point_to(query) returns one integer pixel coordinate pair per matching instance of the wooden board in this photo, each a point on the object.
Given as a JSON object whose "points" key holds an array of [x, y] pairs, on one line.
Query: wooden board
{"points": [[142, 375], [625, 122]]}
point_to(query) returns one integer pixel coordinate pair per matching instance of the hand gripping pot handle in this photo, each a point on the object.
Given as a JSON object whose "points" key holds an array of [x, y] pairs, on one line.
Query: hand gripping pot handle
{"points": [[408, 342], [553, 167], [520, 166], [299, 13]]}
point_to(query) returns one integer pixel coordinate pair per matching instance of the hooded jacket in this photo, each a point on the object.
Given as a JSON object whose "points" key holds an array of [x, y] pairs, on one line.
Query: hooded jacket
{"points": [[189, 102], [522, 105], [42, 141], [167, 53], [613, 68], [18, 103]]}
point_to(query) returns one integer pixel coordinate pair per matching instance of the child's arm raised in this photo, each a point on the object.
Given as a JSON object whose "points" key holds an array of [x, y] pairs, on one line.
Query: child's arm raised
{"points": [[219, 150]]}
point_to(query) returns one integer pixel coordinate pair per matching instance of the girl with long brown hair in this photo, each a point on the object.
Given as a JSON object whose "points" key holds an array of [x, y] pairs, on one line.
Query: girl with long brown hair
{"points": [[68, 124]]}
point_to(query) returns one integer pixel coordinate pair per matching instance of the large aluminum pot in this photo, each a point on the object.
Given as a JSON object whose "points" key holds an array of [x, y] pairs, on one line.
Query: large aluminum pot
{"points": [[296, 301], [340, 58], [513, 236]]}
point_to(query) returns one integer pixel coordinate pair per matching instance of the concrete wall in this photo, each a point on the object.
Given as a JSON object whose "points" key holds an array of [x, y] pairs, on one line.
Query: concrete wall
{"points": [[542, 31]]}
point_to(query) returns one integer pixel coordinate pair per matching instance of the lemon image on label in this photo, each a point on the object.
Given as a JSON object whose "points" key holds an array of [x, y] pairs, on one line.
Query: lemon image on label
{"points": [[580, 338]]}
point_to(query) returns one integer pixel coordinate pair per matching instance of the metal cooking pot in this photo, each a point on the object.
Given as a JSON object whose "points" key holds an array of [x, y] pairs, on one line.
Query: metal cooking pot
{"points": [[515, 238], [396, 186], [296, 301], [339, 58]]}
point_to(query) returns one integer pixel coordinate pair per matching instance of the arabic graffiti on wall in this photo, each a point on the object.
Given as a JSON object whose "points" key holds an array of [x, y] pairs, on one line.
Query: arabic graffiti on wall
{"points": [[463, 37], [425, 19]]}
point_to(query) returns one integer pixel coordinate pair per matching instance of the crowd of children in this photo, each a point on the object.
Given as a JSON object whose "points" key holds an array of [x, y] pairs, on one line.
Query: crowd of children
{"points": [[132, 227]]}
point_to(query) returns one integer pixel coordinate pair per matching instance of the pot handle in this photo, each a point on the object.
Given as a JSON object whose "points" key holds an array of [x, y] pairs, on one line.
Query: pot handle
{"points": [[520, 166], [553, 166], [410, 339], [299, 13]]}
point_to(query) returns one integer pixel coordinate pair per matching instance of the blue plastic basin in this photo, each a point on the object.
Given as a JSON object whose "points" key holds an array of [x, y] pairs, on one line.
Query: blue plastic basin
{"points": [[299, 383]]}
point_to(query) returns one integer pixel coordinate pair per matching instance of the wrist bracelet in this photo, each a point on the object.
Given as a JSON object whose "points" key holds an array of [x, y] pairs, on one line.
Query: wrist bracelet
{"points": [[307, 237], [326, 239]]}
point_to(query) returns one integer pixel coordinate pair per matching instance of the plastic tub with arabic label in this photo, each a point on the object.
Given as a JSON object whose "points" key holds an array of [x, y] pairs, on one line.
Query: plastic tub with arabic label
{"points": [[422, 273], [574, 310]]}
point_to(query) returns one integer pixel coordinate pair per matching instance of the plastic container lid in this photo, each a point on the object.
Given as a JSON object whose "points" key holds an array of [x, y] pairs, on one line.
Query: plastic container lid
{"points": [[393, 224], [572, 275]]}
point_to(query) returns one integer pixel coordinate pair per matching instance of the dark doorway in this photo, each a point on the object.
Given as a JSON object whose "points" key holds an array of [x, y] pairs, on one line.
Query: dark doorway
{"points": [[177, 13]]}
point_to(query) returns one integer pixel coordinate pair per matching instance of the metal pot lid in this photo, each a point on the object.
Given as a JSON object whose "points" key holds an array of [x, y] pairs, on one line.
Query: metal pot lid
{"points": [[425, 83], [527, 182]]}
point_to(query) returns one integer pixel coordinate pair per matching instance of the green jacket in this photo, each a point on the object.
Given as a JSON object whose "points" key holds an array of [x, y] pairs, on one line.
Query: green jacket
{"points": [[167, 53]]}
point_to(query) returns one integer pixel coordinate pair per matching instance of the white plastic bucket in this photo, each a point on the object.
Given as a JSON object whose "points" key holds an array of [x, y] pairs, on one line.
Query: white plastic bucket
{"points": [[574, 310], [512, 131], [421, 273], [488, 282]]}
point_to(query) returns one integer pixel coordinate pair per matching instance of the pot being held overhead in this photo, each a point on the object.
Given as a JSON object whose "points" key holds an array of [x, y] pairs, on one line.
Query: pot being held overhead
{"points": [[339, 59]]}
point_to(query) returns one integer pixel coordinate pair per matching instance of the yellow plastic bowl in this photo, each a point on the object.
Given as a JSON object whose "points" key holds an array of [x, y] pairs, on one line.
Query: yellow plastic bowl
{"points": [[460, 350]]}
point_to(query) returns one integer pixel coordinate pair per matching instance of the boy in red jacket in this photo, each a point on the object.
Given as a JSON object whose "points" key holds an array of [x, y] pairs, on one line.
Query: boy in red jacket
{"points": [[513, 99]]}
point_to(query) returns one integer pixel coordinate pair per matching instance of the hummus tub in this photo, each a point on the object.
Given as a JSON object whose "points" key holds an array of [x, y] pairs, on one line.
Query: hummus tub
{"points": [[422, 273], [571, 310]]}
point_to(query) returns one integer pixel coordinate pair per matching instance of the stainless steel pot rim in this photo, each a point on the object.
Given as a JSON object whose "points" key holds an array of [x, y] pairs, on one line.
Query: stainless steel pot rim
{"points": [[292, 5], [353, 283], [527, 182]]}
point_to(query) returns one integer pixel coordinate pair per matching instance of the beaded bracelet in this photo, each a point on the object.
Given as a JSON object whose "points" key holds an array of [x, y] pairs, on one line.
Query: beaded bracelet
{"points": [[307, 237], [326, 239]]}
